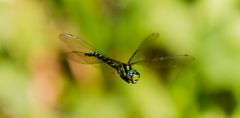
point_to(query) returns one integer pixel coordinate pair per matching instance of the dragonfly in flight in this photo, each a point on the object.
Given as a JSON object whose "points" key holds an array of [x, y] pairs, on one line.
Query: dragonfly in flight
{"points": [[83, 53]]}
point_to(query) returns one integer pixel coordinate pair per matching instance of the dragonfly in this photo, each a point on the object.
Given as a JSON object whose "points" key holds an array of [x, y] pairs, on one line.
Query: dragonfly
{"points": [[83, 53]]}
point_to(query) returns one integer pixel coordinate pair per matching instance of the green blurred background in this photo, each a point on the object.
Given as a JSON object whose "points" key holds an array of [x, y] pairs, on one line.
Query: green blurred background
{"points": [[36, 81]]}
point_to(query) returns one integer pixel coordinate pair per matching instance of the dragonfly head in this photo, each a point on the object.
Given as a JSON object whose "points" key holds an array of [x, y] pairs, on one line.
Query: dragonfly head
{"points": [[133, 76]]}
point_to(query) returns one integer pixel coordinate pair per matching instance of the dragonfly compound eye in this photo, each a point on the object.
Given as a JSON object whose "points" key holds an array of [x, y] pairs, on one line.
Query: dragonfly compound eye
{"points": [[133, 76]]}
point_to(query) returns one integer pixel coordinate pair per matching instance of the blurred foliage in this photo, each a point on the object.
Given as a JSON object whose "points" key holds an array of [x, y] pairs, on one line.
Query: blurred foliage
{"points": [[37, 81]]}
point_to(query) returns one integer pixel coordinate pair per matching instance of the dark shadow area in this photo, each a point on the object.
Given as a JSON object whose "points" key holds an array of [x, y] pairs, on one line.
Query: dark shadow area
{"points": [[222, 98], [189, 2]]}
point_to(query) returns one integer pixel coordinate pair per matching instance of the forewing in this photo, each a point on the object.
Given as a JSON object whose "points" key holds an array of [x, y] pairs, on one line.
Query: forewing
{"points": [[75, 43], [138, 55], [80, 57], [167, 61]]}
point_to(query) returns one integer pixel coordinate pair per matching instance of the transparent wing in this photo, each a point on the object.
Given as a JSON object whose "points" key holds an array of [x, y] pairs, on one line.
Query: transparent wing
{"points": [[144, 47], [80, 57], [152, 56], [75, 43], [79, 48], [167, 61]]}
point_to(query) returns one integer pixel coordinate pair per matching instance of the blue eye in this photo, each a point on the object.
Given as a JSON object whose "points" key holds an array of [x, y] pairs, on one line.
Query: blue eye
{"points": [[130, 74], [133, 76]]}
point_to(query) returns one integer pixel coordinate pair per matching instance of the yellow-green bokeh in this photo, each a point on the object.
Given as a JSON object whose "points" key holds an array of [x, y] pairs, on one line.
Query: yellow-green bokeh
{"points": [[37, 81]]}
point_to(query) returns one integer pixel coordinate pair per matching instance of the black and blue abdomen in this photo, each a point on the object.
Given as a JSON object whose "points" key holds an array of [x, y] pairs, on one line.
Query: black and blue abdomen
{"points": [[106, 60]]}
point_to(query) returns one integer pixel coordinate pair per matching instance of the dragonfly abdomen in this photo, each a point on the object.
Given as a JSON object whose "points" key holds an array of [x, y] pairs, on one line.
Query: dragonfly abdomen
{"points": [[109, 61]]}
